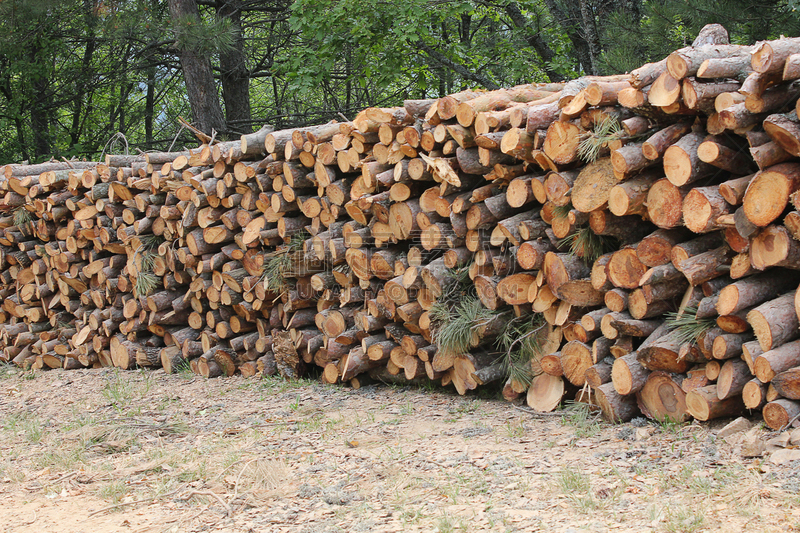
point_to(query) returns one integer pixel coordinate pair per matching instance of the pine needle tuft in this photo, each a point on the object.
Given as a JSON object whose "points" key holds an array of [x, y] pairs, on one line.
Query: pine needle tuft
{"points": [[146, 282], [278, 265], [587, 245], [456, 315], [22, 216], [689, 327], [605, 131], [521, 342], [561, 211]]}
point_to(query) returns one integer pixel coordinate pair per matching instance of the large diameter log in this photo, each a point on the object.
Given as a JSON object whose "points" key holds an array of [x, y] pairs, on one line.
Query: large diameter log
{"points": [[770, 363], [682, 165], [704, 404], [628, 375], [774, 246], [593, 185], [780, 413], [615, 407], [768, 193], [663, 399], [754, 290], [545, 393], [775, 322]]}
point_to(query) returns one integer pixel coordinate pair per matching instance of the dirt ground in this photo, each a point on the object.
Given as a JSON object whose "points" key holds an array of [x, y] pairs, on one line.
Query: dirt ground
{"points": [[104, 451]]}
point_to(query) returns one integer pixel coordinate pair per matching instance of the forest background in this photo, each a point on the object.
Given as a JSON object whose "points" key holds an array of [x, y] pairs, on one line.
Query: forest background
{"points": [[79, 78]]}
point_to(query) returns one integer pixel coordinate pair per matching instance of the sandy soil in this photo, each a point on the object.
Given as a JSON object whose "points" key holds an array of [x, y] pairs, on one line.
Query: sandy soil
{"points": [[102, 451]]}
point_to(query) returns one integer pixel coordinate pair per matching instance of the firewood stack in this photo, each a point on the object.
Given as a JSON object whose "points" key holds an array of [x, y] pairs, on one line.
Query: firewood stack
{"points": [[169, 259]]}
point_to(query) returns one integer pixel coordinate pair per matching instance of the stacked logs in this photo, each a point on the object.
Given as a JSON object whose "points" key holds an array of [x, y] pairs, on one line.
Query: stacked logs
{"points": [[327, 246]]}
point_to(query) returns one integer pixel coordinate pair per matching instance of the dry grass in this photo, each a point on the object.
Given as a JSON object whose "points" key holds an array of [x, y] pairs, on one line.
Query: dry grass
{"points": [[235, 454]]}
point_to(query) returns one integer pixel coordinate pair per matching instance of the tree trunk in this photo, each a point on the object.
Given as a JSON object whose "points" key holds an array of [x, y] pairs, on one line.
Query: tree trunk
{"points": [[197, 73]]}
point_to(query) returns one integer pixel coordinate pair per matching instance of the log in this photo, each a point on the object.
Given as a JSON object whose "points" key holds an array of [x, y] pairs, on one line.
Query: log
{"points": [[662, 398], [733, 376], [628, 375], [545, 393], [665, 203], [753, 290], [703, 403], [702, 207], [778, 414], [775, 322], [776, 360], [615, 407], [774, 246], [593, 185], [682, 164]]}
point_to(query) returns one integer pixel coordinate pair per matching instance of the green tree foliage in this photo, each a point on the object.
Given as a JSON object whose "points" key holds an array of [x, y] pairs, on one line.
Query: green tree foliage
{"points": [[75, 73], [632, 37]]}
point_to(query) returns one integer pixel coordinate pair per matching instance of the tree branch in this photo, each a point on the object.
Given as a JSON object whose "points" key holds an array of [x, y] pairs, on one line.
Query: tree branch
{"points": [[455, 67], [534, 39]]}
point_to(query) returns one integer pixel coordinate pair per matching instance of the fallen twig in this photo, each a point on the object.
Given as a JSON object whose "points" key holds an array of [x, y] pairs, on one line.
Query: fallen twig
{"points": [[125, 504]]}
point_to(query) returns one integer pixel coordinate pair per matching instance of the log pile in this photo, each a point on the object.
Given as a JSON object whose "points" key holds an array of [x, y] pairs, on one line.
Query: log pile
{"points": [[643, 229]]}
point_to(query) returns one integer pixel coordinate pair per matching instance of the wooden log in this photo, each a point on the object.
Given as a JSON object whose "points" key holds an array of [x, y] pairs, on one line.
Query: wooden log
{"points": [[768, 193], [630, 197], [774, 246], [628, 375], [624, 269], [753, 290], [615, 407], [545, 393], [665, 203], [787, 383], [754, 394], [778, 414], [706, 266], [702, 207], [703, 403], [593, 185], [772, 362], [662, 398], [774, 322]]}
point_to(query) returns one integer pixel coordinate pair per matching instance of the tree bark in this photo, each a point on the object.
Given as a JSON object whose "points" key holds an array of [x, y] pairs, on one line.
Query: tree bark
{"points": [[197, 73]]}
